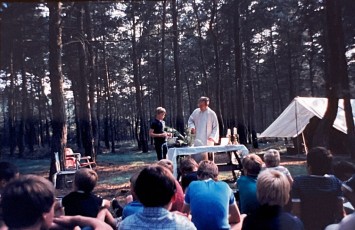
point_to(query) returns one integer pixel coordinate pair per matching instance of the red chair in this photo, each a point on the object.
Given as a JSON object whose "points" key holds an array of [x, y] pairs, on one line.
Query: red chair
{"points": [[76, 161]]}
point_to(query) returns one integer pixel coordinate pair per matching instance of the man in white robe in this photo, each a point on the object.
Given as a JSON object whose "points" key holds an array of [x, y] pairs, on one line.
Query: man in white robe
{"points": [[204, 123]]}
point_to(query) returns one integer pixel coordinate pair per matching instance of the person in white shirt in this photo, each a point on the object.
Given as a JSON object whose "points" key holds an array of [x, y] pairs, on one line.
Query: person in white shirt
{"points": [[204, 123]]}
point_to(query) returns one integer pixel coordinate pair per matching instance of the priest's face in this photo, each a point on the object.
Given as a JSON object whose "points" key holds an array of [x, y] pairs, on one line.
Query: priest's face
{"points": [[202, 105]]}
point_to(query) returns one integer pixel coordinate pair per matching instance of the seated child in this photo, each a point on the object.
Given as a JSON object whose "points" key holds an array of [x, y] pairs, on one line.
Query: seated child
{"points": [[134, 206], [179, 195], [272, 161], [211, 202], [8, 171], [273, 192], [246, 184], [317, 197], [81, 201], [28, 203], [188, 169]]}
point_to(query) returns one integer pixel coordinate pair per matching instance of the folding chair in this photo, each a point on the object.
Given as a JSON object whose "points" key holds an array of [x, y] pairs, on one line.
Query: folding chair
{"points": [[60, 172], [76, 161]]}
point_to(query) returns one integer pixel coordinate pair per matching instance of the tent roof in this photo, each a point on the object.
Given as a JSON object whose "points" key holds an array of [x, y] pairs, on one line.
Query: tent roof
{"points": [[294, 119]]}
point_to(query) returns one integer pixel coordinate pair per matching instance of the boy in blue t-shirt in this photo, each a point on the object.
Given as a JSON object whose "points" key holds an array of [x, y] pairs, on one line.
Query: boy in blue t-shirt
{"points": [[246, 184], [211, 202]]}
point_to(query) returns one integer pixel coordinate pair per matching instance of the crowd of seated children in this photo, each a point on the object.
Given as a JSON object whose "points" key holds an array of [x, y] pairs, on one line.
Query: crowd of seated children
{"points": [[188, 170], [29, 203], [8, 171], [273, 192], [272, 161], [155, 188], [317, 197], [211, 202], [179, 194], [246, 184]]}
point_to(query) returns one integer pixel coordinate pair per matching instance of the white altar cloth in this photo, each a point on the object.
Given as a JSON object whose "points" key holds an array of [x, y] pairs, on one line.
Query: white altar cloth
{"points": [[174, 152]]}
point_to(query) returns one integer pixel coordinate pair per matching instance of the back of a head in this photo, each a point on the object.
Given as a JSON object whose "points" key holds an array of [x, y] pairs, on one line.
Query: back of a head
{"points": [[25, 199], [252, 163], [8, 171], [206, 170], [319, 159], [188, 165], [85, 180], [155, 186], [273, 188], [168, 164], [272, 158]]}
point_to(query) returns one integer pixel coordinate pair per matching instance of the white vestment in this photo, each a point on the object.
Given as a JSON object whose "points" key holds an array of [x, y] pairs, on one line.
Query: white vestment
{"points": [[206, 126]]}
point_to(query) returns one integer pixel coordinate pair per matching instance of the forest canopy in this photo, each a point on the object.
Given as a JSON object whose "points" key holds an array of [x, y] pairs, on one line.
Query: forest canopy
{"points": [[93, 72]]}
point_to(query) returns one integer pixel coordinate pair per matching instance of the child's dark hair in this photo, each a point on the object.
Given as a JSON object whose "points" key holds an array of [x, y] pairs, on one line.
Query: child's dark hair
{"points": [[8, 171], [207, 169], [320, 161], [25, 199], [188, 165], [155, 186], [252, 163], [85, 179]]}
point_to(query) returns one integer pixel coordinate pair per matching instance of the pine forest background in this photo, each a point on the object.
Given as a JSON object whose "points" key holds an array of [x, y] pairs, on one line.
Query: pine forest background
{"points": [[90, 74]]}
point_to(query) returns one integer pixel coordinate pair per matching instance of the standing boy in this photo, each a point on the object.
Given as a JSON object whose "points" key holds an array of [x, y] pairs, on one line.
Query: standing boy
{"points": [[157, 132]]}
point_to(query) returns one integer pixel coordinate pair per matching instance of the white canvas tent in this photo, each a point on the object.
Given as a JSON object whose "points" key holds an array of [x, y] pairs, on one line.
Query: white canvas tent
{"points": [[294, 119]]}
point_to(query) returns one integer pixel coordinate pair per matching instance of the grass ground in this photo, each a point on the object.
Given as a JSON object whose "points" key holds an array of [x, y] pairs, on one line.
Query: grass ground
{"points": [[114, 170]]}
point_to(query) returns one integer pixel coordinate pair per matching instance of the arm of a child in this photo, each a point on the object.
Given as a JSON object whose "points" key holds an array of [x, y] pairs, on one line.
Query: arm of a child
{"points": [[106, 203], [70, 222], [234, 214], [106, 216]]}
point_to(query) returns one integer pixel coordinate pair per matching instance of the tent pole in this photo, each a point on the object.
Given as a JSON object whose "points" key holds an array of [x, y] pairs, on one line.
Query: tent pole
{"points": [[304, 143], [297, 139]]}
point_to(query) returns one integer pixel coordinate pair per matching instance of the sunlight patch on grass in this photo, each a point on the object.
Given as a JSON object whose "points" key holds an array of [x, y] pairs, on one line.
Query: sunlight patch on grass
{"points": [[123, 178]]}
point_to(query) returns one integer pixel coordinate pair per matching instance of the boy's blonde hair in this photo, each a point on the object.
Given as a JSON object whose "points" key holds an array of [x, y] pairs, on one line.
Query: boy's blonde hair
{"points": [[160, 110], [85, 180], [273, 188], [272, 158], [168, 164]]}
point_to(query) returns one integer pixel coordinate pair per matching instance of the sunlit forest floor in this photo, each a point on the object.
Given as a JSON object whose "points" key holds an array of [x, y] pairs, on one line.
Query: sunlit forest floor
{"points": [[115, 169]]}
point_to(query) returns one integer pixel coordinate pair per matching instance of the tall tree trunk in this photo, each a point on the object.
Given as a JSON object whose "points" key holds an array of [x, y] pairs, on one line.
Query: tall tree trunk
{"points": [[24, 106], [84, 105], [108, 115], [333, 83], [179, 109], [202, 55], [214, 35], [338, 66], [276, 75], [92, 75], [59, 137], [11, 105], [143, 140], [250, 87], [239, 77], [162, 77], [291, 83]]}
